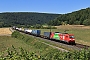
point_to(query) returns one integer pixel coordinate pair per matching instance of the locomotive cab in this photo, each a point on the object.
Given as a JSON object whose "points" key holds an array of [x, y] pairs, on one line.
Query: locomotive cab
{"points": [[68, 38], [71, 39]]}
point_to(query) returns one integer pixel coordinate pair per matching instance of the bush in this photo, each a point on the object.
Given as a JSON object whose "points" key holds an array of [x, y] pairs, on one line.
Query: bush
{"points": [[48, 27], [16, 34], [18, 54], [86, 22], [21, 54]]}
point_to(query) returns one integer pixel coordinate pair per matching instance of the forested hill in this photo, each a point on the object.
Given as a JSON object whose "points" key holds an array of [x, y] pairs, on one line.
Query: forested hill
{"points": [[77, 18], [25, 18], [32, 18]]}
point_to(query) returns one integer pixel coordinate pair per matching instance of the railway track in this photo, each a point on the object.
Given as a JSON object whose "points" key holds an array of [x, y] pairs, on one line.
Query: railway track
{"points": [[81, 46], [77, 46]]}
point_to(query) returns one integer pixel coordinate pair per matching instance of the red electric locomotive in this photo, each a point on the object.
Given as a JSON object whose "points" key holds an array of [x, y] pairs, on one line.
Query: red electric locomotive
{"points": [[68, 38]]}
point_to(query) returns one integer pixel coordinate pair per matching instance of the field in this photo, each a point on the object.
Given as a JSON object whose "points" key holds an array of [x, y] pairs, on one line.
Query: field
{"points": [[28, 43], [7, 42], [5, 31], [31, 48], [80, 32], [37, 50]]}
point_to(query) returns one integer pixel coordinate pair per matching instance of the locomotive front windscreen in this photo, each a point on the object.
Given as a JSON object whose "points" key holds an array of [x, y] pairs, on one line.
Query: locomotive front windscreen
{"points": [[71, 36]]}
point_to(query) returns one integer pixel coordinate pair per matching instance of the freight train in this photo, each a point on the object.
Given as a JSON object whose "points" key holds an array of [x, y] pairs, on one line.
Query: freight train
{"points": [[64, 37]]}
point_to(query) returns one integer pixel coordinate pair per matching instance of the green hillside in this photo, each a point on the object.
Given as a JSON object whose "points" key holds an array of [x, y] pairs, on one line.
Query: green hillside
{"points": [[32, 18], [75, 18], [25, 18]]}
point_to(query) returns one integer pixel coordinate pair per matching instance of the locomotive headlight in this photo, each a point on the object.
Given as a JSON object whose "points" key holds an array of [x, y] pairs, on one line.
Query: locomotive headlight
{"points": [[69, 39]]}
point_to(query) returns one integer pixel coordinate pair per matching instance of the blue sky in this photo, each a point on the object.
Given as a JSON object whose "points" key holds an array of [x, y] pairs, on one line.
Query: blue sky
{"points": [[46, 6]]}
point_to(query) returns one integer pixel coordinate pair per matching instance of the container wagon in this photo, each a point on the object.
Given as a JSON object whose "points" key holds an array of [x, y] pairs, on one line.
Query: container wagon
{"points": [[36, 32]]}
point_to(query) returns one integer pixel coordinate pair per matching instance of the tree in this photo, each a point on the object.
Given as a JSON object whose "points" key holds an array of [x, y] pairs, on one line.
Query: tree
{"points": [[37, 26], [86, 22], [1, 24], [77, 22]]}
